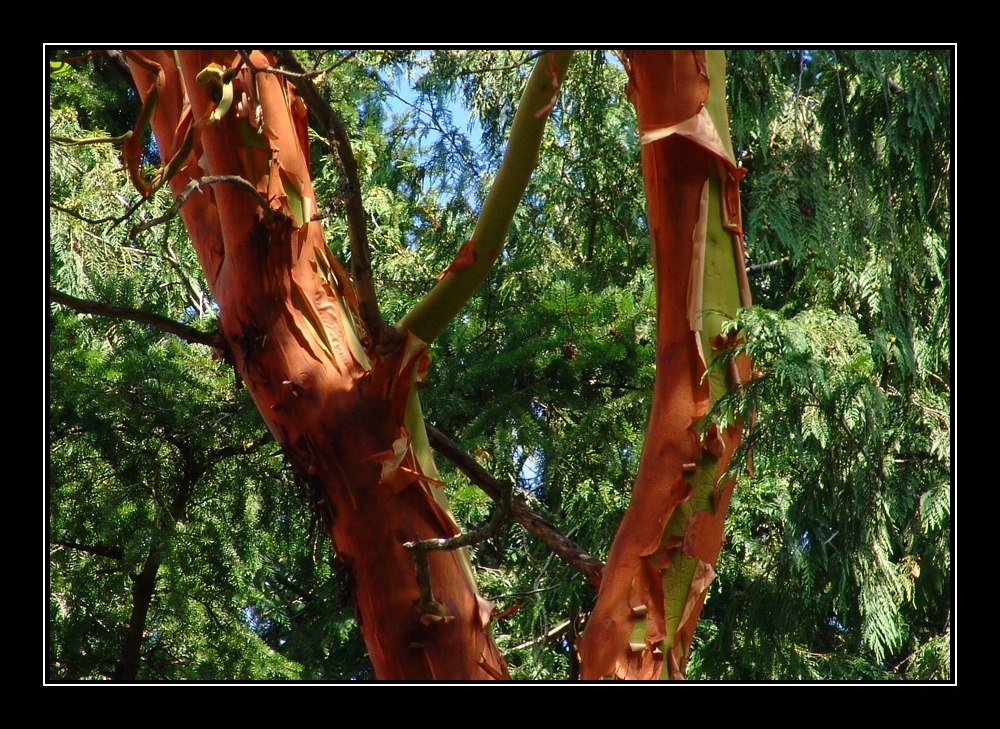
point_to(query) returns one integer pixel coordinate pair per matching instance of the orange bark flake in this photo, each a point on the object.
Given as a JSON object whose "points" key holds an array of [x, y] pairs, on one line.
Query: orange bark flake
{"points": [[663, 554], [287, 313], [465, 257]]}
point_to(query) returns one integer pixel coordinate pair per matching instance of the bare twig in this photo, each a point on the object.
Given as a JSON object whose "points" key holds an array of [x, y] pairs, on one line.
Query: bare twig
{"points": [[308, 75], [195, 185], [567, 550], [328, 124], [770, 264], [556, 630], [115, 219], [162, 323], [528, 59]]}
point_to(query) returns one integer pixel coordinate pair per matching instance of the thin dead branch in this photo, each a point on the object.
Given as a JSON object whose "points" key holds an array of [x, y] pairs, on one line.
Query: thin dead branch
{"points": [[114, 219], [195, 185], [161, 323], [554, 632], [758, 267], [98, 550], [510, 67], [304, 74], [116, 141], [421, 547], [566, 549]]}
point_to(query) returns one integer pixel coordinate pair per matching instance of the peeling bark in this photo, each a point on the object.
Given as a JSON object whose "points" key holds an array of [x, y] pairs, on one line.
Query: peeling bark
{"points": [[343, 409], [661, 561]]}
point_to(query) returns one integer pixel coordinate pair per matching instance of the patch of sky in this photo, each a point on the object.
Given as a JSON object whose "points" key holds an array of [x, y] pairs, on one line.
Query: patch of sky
{"points": [[435, 127], [532, 472]]}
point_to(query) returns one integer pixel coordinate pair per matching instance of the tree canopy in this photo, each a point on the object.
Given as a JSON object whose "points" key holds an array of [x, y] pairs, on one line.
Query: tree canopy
{"points": [[168, 496]]}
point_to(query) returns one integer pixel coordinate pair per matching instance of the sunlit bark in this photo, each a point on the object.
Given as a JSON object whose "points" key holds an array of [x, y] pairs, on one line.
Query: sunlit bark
{"points": [[663, 556], [344, 411]]}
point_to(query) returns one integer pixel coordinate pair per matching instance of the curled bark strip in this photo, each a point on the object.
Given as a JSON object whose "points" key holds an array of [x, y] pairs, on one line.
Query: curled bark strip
{"points": [[465, 257], [553, 73]]}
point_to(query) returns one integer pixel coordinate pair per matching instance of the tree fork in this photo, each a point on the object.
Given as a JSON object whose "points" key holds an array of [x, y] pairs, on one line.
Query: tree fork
{"points": [[534, 523], [344, 410]]}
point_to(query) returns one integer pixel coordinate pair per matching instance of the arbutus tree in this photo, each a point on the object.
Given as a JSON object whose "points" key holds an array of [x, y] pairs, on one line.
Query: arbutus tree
{"points": [[663, 557], [335, 384]]}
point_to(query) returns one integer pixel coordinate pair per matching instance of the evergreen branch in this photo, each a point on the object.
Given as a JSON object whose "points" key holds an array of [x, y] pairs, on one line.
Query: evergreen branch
{"points": [[240, 449], [436, 125], [332, 129], [209, 610], [475, 258], [509, 67], [79, 59], [195, 185], [566, 549], [945, 175], [202, 463], [840, 100], [302, 593], [161, 323], [195, 294]]}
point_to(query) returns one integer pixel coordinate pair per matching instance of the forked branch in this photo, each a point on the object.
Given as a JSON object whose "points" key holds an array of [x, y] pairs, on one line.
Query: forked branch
{"points": [[475, 257], [534, 523]]}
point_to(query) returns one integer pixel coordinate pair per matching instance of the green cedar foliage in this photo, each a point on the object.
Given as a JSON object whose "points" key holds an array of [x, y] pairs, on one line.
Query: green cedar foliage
{"points": [[837, 561], [839, 564]]}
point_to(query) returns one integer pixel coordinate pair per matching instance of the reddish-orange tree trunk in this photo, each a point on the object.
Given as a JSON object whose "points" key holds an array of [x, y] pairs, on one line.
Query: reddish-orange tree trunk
{"points": [[663, 555], [289, 315]]}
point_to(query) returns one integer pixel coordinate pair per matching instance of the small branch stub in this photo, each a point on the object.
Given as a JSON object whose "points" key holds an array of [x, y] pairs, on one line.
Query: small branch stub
{"points": [[421, 547]]}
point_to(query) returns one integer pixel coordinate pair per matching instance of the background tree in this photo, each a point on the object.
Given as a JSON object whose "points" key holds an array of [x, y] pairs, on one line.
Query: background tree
{"points": [[837, 562]]}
